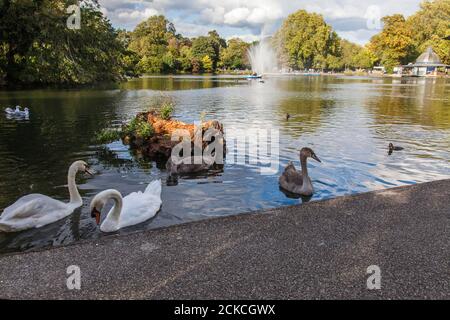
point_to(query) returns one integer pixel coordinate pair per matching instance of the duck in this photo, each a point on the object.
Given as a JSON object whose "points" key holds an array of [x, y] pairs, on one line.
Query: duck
{"points": [[392, 148], [298, 182], [135, 208], [288, 116], [37, 210]]}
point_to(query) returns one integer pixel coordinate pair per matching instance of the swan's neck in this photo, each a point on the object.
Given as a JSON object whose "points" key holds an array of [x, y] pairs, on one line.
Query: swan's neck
{"points": [[75, 197], [118, 203], [304, 165]]}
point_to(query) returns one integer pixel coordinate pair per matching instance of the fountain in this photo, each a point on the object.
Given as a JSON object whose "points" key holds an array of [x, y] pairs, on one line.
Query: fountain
{"points": [[262, 58]]}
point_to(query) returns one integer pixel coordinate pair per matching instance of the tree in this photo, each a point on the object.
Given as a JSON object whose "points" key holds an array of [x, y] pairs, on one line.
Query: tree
{"points": [[40, 49], [207, 64], [150, 40], [394, 44], [185, 59], [235, 55], [429, 26], [306, 41], [210, 46], [364, 59], [354, 56]]}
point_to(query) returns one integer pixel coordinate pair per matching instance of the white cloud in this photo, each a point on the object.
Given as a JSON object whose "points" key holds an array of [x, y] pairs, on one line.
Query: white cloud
{"points": [[213, 15], [360, 36], [136, 15], [236, 16], [246, 37], [231, 17]]}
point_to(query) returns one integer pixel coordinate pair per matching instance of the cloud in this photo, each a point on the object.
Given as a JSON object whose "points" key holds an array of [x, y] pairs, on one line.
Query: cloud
{"points": [[246, 37], [360, 36], [136, 15], [253, 17]]}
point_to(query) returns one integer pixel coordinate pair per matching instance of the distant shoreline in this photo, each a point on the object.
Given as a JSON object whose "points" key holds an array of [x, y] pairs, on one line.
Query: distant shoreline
{"points": [[206, 75]]}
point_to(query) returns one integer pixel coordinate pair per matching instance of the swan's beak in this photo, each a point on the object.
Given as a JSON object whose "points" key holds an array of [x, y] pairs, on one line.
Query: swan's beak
{"points": [[96, 214], [315, 158], [88, 172]]}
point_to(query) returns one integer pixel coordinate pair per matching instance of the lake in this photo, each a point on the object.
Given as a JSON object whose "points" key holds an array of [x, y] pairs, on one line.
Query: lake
{"points": [[347, 121]]}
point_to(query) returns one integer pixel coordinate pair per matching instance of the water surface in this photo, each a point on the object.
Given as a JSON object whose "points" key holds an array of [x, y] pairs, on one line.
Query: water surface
{"points": [[348, 121]]}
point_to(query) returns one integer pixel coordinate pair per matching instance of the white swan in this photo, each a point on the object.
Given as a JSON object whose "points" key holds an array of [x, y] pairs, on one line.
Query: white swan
{"points": [[17, 112], [37, 210], [25, 113], [135, 208], [13, 112]]}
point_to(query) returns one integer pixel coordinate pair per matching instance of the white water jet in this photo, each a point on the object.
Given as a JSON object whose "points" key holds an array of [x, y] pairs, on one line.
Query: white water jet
{"points": [[262, 58]]}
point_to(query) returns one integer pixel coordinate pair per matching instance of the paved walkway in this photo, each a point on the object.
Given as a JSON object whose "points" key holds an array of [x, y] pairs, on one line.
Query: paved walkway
{"points": [[317, 250]]}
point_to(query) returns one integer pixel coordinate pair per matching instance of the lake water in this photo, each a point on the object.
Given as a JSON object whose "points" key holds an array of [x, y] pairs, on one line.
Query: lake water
{"points": [[347, 121]]}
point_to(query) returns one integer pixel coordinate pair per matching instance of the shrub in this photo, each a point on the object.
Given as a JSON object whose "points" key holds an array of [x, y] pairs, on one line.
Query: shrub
{"points": [[166, 111], [164, 104], [107, 136], [144, 129], [138, 127]]}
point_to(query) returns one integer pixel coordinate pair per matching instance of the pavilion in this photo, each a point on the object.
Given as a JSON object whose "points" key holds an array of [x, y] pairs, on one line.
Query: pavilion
{"points": [[427, 64]]}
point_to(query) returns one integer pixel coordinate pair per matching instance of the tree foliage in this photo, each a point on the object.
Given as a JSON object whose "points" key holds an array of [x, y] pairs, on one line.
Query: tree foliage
{"points": [[402, 40], [38, 47], [430, 25], [394, 44], [306, 41], [235, 55]]}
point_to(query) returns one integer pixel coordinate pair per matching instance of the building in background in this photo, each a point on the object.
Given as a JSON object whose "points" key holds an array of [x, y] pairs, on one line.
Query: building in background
{"points": [[427, 64]]}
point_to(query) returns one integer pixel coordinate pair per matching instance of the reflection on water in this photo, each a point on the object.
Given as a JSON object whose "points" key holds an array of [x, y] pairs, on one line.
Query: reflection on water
{"points": [[347, 121]]}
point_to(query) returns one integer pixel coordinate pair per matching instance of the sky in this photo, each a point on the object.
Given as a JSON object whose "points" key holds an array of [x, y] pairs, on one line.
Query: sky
{"points": [[353, 20]]}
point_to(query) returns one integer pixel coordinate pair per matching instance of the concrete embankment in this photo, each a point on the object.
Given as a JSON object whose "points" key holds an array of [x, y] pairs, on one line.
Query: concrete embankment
{"points": [[311, 251]]}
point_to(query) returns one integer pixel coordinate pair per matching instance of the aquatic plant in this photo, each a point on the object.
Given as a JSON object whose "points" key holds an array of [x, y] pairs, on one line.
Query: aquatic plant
{"points": [[144, 129], [107, 136], [138, 127], [167, 109]]}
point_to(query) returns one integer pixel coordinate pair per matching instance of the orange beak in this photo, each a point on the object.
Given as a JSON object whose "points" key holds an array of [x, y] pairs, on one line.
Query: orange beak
{"points": [[96, 214]]}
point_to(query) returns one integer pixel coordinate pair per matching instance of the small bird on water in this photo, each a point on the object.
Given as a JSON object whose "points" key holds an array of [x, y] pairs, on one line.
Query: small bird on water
{"points": [[288, 116], [394, 148]]}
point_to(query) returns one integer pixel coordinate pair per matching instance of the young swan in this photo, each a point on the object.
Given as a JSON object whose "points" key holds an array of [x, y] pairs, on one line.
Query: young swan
{"points": [[298, 182], [135, 208]]}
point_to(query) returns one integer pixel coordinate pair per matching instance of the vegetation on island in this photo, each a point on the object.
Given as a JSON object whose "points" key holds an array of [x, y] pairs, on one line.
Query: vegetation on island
{"points": [[162, 107], [37, 48]]}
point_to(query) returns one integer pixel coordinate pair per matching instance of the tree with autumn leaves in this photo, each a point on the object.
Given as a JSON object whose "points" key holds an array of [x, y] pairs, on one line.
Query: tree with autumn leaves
{"points": [[402, 40]]}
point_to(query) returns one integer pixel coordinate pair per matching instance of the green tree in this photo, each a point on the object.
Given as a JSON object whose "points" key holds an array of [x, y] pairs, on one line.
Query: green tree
{"points": [[364, 59], [235, 55], [394, 44], [210, 46], [306, 41], [40, 49], [185, 59], [207, 64], [354, 56], [150, 40]]}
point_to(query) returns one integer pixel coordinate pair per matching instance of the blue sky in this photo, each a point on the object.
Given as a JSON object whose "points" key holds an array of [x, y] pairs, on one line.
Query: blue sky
{"points": [[354, 20]]}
